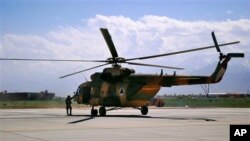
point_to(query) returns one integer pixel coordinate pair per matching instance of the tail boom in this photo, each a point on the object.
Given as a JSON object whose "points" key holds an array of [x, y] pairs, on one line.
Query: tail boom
{"points": [[217, 75]]}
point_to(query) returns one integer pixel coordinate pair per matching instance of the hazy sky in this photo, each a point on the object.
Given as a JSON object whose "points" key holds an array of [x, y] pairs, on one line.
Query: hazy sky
{"points": [[69, 29], [39, 16]]}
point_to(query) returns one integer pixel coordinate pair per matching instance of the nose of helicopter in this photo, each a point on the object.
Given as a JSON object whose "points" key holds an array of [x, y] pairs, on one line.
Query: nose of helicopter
{"points": [[82, 95]]}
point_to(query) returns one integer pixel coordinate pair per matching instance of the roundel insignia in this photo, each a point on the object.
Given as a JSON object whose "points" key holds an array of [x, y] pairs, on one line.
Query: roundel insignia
{"points": [[121, 91]]}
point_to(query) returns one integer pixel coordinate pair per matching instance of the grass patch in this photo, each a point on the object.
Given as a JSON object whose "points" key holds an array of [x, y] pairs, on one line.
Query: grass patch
{"points": [[169, 102], [55, 103], [32, 104], [208, 102]]}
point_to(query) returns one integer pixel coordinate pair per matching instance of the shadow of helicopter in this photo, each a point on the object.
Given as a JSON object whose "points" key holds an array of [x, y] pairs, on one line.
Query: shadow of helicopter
{"points": [[89, 117]]}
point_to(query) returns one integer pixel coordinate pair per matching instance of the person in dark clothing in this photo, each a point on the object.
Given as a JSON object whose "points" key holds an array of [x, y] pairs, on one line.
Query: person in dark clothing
{"points": [[68, 105]]}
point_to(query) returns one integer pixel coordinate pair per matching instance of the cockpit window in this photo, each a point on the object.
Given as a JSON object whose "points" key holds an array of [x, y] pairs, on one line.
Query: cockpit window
{"points": [[77, 91]]}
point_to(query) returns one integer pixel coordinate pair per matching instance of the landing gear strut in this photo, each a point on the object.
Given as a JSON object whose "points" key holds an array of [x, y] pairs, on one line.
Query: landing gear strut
{"points": [[144, 110], [103, 111]]}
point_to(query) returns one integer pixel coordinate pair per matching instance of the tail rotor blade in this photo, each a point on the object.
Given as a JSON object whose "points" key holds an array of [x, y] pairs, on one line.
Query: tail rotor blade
{"points": [[216, 43]]}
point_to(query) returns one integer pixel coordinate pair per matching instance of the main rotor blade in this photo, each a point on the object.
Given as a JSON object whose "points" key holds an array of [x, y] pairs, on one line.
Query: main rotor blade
{"points": [[151, 65], [83, 70], [179, 52], [109, 42], [49, 60]]}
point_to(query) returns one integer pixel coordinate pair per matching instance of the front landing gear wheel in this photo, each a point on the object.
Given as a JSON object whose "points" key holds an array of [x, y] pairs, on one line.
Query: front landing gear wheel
{"points": [[102, 111], [94, 112], [144, 110]]}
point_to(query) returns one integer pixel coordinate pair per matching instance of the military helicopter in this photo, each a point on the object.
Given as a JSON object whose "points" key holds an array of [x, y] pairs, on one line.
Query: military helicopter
{"points": [[120, 87]]}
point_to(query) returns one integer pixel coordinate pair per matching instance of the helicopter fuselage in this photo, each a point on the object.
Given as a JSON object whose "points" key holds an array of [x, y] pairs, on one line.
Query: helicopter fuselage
{"points": [[119, 87], [122, 87]]}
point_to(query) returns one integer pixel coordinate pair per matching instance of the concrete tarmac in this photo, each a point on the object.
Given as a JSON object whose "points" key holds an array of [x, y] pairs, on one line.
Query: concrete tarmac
{"points": [[161, 124]]}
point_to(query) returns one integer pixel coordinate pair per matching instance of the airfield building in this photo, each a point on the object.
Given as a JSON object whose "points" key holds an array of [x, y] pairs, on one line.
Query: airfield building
{"points": [[26, 96]]}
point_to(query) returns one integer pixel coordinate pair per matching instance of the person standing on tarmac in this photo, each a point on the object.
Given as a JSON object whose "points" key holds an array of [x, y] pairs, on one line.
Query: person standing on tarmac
{"points": [[68, 105]]}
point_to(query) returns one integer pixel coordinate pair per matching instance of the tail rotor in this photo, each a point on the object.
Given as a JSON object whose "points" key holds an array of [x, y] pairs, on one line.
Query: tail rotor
{"points": [[222, 56], [217, 47]]}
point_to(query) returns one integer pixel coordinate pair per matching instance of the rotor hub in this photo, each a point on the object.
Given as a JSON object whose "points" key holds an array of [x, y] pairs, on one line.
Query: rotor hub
{"points": [[116, 60]]}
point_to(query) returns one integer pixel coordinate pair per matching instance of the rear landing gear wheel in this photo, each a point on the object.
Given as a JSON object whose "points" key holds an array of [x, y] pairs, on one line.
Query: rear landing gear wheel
{"points": [[102, 111], [94, 112], [144, 110]]}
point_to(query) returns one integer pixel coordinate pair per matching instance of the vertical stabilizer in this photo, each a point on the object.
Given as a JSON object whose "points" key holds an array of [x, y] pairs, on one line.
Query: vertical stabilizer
{"points": [[220, 70]]}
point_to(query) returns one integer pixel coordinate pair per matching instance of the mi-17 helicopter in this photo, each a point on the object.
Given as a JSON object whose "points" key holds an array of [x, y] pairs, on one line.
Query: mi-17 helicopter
{"points": [[121, 87]]}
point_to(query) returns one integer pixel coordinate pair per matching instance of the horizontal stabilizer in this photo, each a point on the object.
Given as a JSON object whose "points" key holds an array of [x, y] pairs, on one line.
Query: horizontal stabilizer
{"points": [[235, 55]]}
